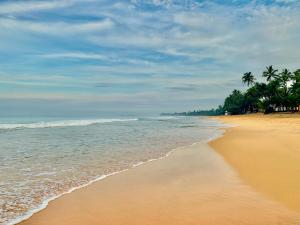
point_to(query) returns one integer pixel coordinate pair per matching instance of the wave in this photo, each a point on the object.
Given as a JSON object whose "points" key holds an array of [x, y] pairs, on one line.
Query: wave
{"points": [[158, 118], [45, 203], [61, 123], [69, 123]]}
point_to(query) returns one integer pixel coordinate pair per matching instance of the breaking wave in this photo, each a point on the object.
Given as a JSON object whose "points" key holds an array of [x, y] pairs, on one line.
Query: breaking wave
{"points": [[61, 123]]}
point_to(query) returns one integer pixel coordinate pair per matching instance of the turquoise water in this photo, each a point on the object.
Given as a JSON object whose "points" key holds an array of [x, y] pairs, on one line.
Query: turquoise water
{"points": [[43, 158]]}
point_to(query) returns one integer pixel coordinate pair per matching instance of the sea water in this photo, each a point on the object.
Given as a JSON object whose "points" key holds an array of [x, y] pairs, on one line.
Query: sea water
{"points": [[43, 158]]}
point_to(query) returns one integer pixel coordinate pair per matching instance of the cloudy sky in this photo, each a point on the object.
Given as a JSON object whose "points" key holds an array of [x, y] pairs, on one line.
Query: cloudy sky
{"points": [[84, 57]]}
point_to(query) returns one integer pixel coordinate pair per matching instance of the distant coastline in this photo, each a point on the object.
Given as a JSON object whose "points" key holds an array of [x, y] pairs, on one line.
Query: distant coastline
{"points": [[212, 112], [280, 93]]}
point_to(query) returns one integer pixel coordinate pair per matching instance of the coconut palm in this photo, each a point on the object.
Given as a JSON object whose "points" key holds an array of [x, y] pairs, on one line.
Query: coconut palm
{"points": [[295, 90], [285, 76], [270, 73], [253, 97], [235, 103], [296, 76], [248, 78]]}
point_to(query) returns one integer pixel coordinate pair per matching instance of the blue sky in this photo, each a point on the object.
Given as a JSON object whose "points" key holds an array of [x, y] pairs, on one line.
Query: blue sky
{"points": [[86, 57]]}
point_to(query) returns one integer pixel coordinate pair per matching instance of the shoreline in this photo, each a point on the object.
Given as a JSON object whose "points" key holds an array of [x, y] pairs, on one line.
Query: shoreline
{"points": [[11, 215], [265, 152], [45, 203], [191, 184]]}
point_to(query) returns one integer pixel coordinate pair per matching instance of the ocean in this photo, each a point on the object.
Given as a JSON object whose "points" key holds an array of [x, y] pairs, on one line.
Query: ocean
{"points": [[43, 158]]}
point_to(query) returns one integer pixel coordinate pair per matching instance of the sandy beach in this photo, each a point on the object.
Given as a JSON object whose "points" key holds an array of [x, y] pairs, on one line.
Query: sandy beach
{"points": [[193, 186], [149, 112], [265, 151]]}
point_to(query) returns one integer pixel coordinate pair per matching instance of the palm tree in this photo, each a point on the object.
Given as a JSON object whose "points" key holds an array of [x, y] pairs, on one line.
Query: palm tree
{"points": [[248, 79], [295, 90], [270, 73], [271, 93], [285, 76], [296, 76], [253, 97]]}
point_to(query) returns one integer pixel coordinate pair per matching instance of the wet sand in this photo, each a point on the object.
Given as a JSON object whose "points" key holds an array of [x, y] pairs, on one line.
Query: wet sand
{"points": [[192, 186], [265, 151]]}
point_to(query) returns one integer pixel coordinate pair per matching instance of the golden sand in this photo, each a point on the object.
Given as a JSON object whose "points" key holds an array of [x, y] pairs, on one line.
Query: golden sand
{"points": [[265, 150], [193, 186]]}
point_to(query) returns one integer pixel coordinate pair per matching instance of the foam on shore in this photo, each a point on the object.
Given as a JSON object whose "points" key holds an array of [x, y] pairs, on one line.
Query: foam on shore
{"points": [[46, 202]]}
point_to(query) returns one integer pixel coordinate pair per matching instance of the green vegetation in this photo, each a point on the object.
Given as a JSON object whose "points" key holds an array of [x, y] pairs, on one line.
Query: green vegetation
{"points": [[211, 112], [280, 93]]}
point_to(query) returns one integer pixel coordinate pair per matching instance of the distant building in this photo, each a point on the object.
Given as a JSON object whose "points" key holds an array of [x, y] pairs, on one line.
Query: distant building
{"points": [[285, 109]]}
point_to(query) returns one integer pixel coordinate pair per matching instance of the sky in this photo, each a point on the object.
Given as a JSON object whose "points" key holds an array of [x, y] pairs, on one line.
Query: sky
{"points": [[92, 57]]}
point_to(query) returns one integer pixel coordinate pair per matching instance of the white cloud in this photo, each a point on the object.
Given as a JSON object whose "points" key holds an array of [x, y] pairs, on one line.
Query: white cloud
{"points": [[19, 7], [287, 1], [209, 47], [56, 28], [26, 6], [75, 55]]}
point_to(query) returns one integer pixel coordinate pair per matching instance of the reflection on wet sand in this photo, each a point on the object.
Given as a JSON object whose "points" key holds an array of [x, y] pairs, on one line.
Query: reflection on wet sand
{"points": [[191, 186]]}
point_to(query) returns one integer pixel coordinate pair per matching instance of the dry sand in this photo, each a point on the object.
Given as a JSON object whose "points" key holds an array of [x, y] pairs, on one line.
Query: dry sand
{"points": [[265, 151], [193, 186]]}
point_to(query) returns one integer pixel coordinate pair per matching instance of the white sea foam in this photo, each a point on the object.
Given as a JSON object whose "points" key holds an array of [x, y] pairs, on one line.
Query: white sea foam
{"points": [[61, 123], [45, 203], [159, 118], [137, 164]]}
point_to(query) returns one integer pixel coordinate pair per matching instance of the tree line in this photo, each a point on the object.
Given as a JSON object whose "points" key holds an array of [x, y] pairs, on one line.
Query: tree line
{"points": [[279, 93], [211, 112]]}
